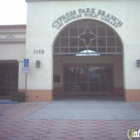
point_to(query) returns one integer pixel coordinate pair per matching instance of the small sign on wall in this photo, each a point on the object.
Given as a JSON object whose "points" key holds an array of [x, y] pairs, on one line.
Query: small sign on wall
{"points": [[26, 69], [26, 62]]}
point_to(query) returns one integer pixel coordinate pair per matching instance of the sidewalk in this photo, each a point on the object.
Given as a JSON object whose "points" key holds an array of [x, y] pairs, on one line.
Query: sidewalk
{"points": [[69, 119]]}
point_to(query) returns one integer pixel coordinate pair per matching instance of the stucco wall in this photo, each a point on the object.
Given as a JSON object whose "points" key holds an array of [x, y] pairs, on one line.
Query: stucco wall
{"points": [[41, 35], [12, 52], [131, 31]]}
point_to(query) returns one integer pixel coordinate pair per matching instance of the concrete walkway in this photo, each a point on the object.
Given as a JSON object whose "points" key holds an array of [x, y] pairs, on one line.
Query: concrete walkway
{"points": [[70, 118], [88, 108]]}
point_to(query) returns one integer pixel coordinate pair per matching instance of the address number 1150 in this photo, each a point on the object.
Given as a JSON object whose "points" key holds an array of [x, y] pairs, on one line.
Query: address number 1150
{"points": [[39, 51]]}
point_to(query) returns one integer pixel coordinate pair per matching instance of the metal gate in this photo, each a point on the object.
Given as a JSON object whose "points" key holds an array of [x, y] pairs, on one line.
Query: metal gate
{"points": [[8, 78]]}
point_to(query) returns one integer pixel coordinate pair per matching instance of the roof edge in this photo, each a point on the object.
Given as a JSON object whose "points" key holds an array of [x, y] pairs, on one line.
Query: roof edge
{"points": [[49, 0], [36, 0], [13, 26]]}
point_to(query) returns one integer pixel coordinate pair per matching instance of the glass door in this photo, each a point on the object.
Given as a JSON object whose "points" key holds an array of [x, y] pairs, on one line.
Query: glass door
{"points": [[94, 79], [75, 78], [88, 79], [106, 79]]}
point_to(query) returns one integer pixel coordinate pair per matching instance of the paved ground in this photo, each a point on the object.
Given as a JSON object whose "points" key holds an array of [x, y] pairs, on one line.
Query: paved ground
{"points": [[69, 119]]}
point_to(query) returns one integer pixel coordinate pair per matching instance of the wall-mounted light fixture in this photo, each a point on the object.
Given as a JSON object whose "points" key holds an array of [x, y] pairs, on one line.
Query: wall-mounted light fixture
{"points": [[38, 64], [138, 63]]}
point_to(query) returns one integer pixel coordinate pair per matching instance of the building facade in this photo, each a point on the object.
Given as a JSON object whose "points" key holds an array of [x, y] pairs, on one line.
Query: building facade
{"points": [[77, 47]]}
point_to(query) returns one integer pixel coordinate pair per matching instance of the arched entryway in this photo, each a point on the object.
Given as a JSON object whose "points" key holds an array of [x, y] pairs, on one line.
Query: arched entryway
{"points": [[88, 59]]}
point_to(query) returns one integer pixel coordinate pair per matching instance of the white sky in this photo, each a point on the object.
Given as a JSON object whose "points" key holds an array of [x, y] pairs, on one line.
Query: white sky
{"points": [[13, 12]]}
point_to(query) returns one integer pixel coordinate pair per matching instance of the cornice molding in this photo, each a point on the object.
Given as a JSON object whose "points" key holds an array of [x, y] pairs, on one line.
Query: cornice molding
{"points": [[13, 26], [17, 31], [49, 0], [13, 29], [38, 0], [69, 0], [12, 41]]}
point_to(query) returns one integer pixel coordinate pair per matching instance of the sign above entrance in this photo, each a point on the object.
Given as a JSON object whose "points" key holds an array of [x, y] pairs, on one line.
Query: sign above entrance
{"points": [[87, 13]]}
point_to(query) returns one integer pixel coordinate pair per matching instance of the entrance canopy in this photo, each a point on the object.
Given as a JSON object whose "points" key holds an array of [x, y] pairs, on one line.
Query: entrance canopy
{"points": [[88, 37]]}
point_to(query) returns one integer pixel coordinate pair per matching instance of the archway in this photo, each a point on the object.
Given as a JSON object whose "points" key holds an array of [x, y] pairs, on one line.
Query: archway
{"points": [[88, 59]]}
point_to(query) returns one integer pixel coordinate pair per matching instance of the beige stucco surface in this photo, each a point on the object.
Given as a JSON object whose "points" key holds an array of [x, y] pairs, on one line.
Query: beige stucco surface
{"points": [[12, 52], [131, 41], [41, 35]]}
